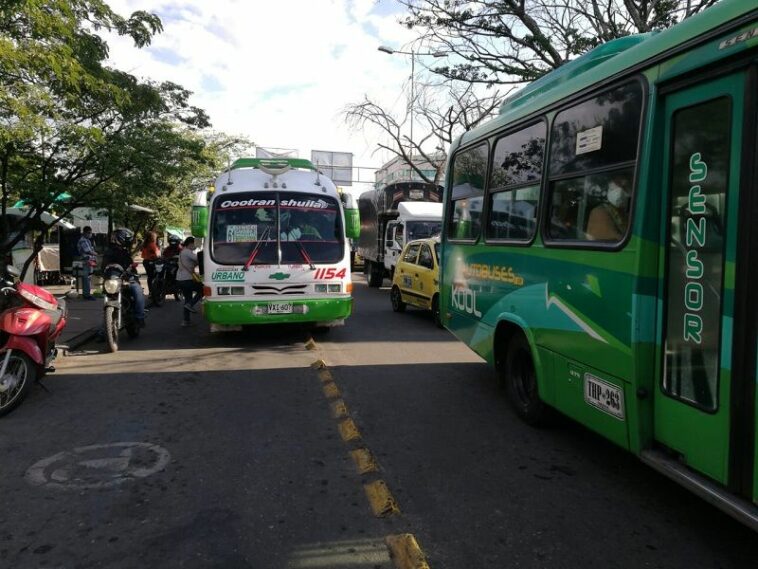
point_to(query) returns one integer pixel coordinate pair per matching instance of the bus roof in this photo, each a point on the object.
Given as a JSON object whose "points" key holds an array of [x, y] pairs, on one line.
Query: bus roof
{"points": [[251, 179], [609, 61], [301, 163]]}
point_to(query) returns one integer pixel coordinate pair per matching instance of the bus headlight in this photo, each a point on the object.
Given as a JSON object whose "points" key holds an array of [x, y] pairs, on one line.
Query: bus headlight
{"points": [[320, 288], [111, 286], [335, 288]]}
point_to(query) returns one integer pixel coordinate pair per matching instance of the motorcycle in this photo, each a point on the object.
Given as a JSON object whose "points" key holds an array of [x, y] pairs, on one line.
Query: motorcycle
{"points": [[31, 319], [118, 307], [164, 282]]}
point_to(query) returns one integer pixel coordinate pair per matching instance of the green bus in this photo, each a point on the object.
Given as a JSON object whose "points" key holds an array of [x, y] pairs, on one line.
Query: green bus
{"points": [[599, 245]]}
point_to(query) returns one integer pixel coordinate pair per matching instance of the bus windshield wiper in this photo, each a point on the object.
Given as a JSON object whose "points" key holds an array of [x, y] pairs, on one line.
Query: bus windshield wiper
{"points": [[305, 255], [255, 250]]}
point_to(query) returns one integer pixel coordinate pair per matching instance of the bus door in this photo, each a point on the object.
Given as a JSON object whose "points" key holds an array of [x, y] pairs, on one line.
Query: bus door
{"points": [[705, 394]]}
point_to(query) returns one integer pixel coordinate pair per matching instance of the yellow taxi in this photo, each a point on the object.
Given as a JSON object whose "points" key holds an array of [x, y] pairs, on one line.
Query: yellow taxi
{"points": [[417, 278]]}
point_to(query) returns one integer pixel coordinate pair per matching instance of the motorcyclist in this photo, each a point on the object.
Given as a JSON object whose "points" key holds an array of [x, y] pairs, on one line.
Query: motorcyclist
{"points": [[174, 246], [118, 253]]}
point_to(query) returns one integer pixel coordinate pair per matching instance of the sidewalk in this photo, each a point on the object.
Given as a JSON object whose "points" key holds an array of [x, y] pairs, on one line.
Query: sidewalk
{"points": [[85, 317]]}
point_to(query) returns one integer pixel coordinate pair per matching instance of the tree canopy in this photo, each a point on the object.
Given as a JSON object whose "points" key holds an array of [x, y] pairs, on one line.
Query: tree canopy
{"points": [[72, 126], [515, 41]]}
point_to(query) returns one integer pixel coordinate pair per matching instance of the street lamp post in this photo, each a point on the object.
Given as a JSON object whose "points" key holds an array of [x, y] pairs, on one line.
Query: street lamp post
{"points": [[413, 54]]}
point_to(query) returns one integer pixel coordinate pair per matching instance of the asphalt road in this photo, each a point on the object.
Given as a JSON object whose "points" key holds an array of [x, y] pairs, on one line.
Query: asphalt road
{"points": [[187, 449]]}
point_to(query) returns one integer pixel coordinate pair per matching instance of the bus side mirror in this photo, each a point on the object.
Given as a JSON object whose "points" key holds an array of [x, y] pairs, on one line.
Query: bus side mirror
{"points": [[352, 224], [199, 224]]}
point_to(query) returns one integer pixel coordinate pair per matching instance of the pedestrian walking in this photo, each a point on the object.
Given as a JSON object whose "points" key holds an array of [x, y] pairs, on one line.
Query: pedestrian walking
{"points": [[87, 253], [188, 280], [150, 252]]}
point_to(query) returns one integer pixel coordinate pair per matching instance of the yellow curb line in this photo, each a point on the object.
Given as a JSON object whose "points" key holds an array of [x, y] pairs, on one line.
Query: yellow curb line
{"points": [[349, 431], [406, 552], [364, 461], [310, 344], [380, 498], [319, 364], [331, 390], [339, 409], [325, 375]]}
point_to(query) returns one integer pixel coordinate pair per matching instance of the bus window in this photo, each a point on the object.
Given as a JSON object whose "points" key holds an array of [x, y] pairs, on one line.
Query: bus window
{"points": [[601, 135], [467, 193], [514, 184]]}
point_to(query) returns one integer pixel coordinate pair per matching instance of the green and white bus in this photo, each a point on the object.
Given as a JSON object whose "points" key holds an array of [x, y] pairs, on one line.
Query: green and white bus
{"points": [[275, 248], [600, 248]]}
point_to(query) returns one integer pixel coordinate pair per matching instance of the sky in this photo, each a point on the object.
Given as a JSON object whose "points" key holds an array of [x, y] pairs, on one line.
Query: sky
{"points": [[278, 72]]}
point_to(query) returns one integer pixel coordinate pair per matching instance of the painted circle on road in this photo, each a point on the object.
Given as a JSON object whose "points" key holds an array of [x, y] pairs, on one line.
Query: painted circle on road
{"points": [[98, 466]]}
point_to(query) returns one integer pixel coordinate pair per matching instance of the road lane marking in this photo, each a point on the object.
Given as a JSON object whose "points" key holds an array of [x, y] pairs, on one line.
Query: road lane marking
{"points": [[364, 461], [406, 552], [349, 431], [339, 409], [325, 375], [331, 390], [380, 498], [98, 466]]}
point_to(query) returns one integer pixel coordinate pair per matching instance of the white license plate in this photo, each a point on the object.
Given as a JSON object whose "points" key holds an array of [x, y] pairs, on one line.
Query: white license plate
{"points": [[279, 308], [604, 396]]}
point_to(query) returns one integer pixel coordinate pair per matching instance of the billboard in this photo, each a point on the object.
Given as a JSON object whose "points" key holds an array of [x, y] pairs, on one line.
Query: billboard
{"points": [[337, 165]]}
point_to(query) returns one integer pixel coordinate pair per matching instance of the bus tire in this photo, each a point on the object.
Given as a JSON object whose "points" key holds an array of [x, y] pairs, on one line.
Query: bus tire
{"points": [[521, 382], [397, 299]]}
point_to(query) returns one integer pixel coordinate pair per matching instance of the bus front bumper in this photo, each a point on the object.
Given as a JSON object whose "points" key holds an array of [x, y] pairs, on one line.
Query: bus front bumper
{"points": [[243, 312]]}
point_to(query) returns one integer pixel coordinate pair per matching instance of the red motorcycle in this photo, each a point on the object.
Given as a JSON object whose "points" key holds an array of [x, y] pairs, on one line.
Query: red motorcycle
{"points": [[30, 320]]}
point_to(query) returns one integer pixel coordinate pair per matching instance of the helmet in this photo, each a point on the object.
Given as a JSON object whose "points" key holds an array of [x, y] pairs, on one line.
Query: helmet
{"points": [[174, 239], [123, 236]]}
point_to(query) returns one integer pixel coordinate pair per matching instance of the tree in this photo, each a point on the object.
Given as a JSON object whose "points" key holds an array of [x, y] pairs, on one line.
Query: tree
{"points": [[443, 111], [515, 41], [71, 126]]}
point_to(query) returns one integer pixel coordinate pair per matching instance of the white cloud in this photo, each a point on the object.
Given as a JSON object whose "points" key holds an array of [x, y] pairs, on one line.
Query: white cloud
{"points": [[277, 72]]}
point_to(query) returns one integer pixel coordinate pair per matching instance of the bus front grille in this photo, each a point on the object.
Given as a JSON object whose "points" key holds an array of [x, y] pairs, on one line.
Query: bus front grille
{"points": [[260, 290]]}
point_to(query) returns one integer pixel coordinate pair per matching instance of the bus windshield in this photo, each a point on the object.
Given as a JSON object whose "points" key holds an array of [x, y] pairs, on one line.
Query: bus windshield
{"points": [[276, 227]]}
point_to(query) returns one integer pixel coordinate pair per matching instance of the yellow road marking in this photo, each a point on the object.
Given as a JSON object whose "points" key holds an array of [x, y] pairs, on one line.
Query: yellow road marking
{"points": [[325, 375], [319, 364], [310, 344], [405, 552], [364, 461], [331, 390], [339, 409], [349, 431], [381, 500]]}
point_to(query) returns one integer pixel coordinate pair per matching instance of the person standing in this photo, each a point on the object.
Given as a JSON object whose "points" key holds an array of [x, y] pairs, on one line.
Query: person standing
{"points": [[89, 260], [188, 280], [150, 252]]}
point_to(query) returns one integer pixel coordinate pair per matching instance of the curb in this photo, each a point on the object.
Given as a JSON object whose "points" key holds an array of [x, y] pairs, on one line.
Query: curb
{"points": [[78, 340]]}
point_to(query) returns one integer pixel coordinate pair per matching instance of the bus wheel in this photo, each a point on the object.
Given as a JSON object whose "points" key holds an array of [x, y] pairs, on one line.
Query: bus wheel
{"points": [[397, 300], [521, 382]]}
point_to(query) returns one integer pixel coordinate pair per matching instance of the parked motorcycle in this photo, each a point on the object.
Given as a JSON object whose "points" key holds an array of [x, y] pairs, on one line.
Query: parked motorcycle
{"points": [[31, 319], [164, 282], [118, 306]]}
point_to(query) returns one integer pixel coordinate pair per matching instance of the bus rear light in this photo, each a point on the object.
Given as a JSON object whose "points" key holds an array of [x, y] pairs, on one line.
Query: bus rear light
{"points": [[207, 291]]}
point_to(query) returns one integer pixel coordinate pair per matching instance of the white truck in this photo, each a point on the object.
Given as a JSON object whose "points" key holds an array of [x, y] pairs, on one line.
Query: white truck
{"points": [[391, 217]]}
